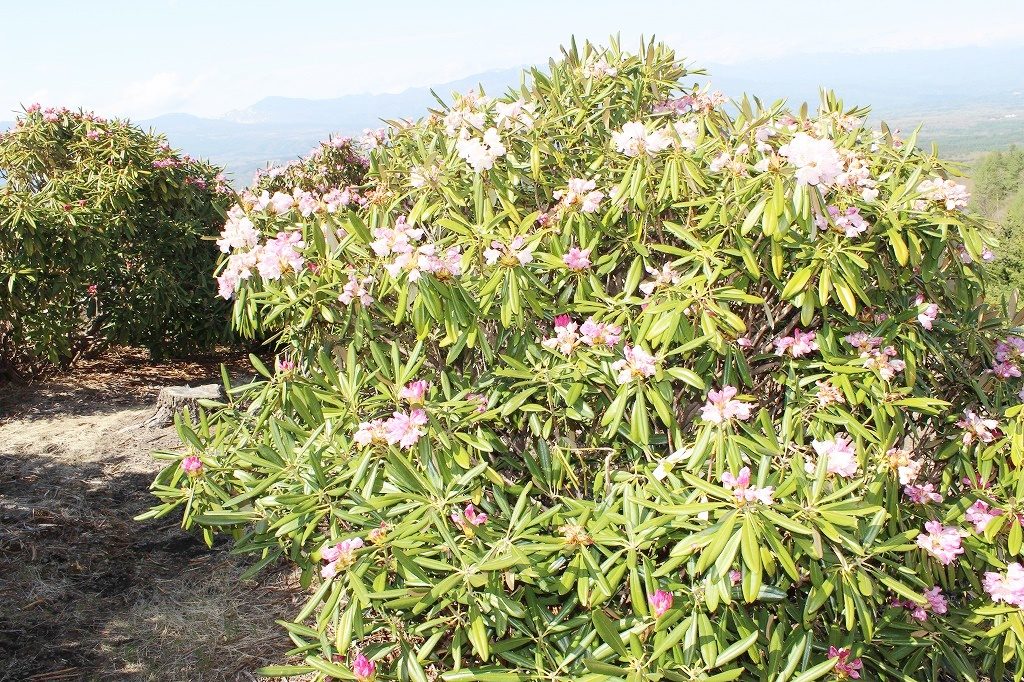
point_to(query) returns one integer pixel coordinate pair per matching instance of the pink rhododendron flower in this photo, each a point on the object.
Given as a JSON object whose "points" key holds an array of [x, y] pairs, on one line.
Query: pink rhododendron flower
{"points": [[238, 233], [735, 577], [238, 268], [662, 277], [395, 240], [936, 604], [635, 364], [661, 602], [828, 394], [414, 392], [480, 153], [467, 519], [1006, 587], [951, 195], [1005, 370], [480, 399], [597, 68], [364, 669], [928, 315], [846, 667], [357, 289], [566, 337], [339, 556], [580, 193], [743, 491], [577, 260], [283, 366], [721, 407], [864, 343], [850, 222], [281, 203], [634, 140], [979, 514], [977, 428], [942, 542], [375, 431], [445, 266], [281, 255], [516, 115], [600, 333], [192, 465], [1009, 355], [839, 454], [516, 253], [907, 468], [817, 161], [922, 494], [405, 430], [687, 132], [797, 345]]}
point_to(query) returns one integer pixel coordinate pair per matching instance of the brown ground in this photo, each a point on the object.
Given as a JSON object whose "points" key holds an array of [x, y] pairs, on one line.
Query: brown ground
{"points": [[85, 592]]}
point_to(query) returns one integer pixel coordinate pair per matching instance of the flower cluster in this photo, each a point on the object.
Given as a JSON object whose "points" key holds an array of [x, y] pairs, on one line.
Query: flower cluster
{"points": [[816, 160], [636, 363], [979, 514], [480, 152], [664, 277], [942, 542], [580, 193], [1006, 587], [936, 603], [951, 195], [722, 407], [401, 429], [743, 491], [339, 557], [850, 222], [661, 602], [568, 335], [468, 519], [881, 359], [977, 428], [1009, 354], [517, 252], [846, 667], [839, 454], [635, 140], [797, 345]]}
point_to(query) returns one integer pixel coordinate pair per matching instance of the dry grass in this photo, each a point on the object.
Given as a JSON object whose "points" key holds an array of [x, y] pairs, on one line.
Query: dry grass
{"points": [[88, 594]]}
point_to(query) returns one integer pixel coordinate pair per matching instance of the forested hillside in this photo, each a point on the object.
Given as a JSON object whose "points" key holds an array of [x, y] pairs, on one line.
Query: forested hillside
{"points": [[998, 194]]}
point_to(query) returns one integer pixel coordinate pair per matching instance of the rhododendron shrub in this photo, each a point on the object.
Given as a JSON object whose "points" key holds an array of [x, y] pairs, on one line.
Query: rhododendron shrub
{"points": [[607, 379], [102, 231]]}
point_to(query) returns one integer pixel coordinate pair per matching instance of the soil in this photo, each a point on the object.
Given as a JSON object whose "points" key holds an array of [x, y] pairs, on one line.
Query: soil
{"points": [[86, 593]]}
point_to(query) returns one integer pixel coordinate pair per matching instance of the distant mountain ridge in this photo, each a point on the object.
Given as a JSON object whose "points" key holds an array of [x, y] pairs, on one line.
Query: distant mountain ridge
{"points": [[354, 110], [970, 100]]}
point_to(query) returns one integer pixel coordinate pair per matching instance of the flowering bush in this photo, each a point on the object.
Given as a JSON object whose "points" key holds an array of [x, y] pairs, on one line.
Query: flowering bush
{"points": [[597, 381], [102, 239]]}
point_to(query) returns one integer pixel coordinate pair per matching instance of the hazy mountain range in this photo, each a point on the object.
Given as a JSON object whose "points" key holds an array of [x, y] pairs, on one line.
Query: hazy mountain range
{"points": [[970, 100]]}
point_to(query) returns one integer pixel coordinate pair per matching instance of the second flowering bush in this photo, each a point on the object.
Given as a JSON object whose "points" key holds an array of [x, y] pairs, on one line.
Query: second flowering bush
{"points": [[596, 381]]}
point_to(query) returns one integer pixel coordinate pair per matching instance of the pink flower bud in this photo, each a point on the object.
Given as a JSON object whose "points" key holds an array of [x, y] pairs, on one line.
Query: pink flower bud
{"points": [[364, 669], [661, 602], [192, 465]]}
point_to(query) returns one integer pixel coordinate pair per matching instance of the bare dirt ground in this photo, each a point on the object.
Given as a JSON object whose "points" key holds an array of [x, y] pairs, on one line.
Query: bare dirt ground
{"points": [[86, 593]]}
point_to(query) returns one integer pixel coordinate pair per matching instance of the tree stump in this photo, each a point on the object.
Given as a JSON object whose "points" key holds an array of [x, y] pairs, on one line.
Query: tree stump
{"points": [[173, 399]]}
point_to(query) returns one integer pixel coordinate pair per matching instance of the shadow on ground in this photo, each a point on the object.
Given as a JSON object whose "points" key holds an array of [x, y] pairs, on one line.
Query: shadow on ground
{"points": [[89, 594]]}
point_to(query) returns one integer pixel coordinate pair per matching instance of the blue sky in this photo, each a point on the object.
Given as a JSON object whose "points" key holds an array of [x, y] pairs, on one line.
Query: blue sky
{"points": [[207, 57]]}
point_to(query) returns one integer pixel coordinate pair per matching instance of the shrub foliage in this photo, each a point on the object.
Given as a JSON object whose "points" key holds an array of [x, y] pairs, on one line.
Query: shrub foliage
{"points": [[102, 240], [610, 379]]}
